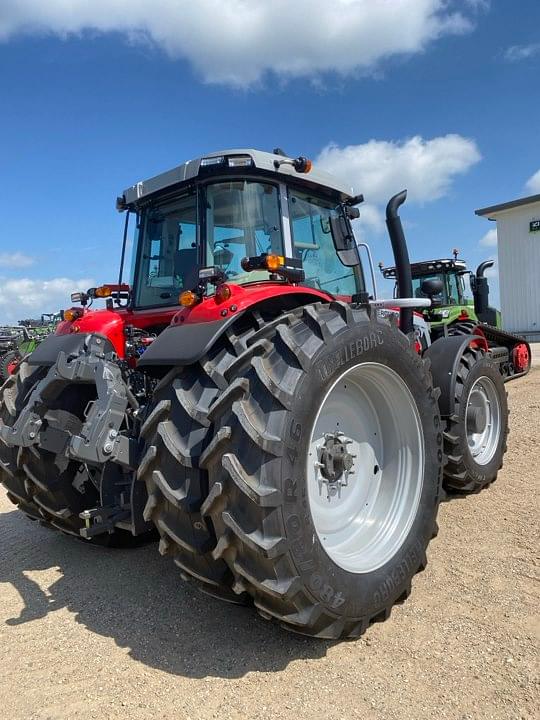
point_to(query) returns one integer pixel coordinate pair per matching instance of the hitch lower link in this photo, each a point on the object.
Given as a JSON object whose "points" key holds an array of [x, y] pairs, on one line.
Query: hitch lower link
{"points": [[98, 439]]}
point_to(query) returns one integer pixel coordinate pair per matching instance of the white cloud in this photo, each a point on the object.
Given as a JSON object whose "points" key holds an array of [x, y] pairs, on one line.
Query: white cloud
{"points": [[23, 298], [521, 52], [15, 260], [489, 239], [379, 169], [237, 41], [371, 219], [533, 183]]}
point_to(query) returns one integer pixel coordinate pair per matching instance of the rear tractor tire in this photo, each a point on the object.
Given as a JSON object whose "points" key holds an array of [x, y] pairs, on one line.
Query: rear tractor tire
{"points": [[325, 471], [476, 433], [175, 433]]}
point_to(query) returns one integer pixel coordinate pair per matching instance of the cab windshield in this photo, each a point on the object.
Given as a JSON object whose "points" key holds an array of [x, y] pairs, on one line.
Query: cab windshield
{"points": [[452, 293], [242, 218], [218, 224], [238, 218]]}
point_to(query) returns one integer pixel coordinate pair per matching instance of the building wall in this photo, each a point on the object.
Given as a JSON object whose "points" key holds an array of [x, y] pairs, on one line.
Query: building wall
{"points": [[519, 269]]}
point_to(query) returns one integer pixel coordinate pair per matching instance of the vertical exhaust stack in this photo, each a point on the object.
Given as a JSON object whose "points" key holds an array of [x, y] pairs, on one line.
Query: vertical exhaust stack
{"points": [[480, 289], [401, 258]]}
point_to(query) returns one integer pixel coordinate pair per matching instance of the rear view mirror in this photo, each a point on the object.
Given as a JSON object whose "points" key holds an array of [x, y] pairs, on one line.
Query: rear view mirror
{"points": [[344, 241]]}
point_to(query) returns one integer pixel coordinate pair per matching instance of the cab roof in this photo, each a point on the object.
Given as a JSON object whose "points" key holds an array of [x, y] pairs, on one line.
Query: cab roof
{"points": [[264, 162], [429, 266]]}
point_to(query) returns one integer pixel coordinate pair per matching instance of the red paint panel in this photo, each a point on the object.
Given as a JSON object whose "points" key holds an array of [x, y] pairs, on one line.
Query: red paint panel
{"points": [[241, 298]]}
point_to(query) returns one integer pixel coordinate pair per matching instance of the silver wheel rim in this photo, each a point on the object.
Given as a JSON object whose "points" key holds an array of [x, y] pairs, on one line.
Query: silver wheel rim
{"points": [[363, 517], [483, 420]]}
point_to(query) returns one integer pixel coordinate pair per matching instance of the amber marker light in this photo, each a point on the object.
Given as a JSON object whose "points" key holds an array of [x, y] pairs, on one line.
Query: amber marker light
{"points": [[188, 299], [274, 262], [103, 291], [72, 314]]}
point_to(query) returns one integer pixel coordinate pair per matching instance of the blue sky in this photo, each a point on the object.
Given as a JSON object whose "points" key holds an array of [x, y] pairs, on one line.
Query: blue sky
{"points": [[97, 99]]}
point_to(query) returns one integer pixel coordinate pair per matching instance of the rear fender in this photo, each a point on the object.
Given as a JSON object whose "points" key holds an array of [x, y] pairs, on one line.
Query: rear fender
{"points": [[445, 355], [48, 351], [186, 343]]}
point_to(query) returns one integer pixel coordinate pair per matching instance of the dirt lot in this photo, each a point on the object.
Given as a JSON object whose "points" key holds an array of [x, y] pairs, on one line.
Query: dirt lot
{"points": [[107, 634]]}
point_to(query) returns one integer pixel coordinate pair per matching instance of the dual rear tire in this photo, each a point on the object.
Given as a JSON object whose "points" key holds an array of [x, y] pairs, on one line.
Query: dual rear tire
{"points": [[281, 490]]}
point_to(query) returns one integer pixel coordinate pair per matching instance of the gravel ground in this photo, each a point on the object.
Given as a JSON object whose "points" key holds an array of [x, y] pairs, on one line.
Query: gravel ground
{"points": [[93, 633]]}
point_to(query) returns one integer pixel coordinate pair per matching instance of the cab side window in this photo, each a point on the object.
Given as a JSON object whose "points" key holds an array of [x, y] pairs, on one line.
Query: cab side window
{"points": [[313, 244]]}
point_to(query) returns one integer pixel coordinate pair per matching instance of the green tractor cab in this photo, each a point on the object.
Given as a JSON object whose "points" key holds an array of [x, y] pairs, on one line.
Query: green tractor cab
{"points": [[454, 312]]}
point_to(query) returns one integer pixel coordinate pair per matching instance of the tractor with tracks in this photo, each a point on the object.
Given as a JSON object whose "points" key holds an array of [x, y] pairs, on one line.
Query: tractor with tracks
{"points": [[453, 312], [246, 396]]}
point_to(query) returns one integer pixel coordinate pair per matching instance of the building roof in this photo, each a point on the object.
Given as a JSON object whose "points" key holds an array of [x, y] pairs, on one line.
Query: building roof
{"points": [[262, 161], [507, 205]]}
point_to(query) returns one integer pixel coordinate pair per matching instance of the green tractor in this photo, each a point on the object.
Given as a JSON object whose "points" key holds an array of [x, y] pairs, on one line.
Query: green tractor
{"points": [[10, 340], [21, 340], [454, 312]]}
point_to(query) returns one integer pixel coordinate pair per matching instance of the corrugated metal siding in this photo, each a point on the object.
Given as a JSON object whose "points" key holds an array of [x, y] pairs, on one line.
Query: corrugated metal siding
{"points": [[519, 269]]}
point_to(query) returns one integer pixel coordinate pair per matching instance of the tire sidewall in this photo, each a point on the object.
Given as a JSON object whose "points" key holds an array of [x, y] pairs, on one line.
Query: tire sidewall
{"points": [[342, 592]]}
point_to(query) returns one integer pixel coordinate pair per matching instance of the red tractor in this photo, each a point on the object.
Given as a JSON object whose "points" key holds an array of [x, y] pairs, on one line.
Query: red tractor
{"points": [[286, 440]]}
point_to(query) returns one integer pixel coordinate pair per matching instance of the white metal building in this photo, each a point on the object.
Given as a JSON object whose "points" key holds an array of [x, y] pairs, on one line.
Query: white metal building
{"points": [[518, 243]]}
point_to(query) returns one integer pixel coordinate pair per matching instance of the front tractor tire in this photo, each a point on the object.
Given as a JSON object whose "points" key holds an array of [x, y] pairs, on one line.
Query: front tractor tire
{"points": [[325, 470], [476, 432], [13, 395], [48, 486]]}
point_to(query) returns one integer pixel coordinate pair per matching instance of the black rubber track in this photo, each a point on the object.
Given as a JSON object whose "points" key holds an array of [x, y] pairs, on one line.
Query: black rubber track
{"points": [[250, 495], [464, 327], [12, 397], [461, 472], [175, 433]]}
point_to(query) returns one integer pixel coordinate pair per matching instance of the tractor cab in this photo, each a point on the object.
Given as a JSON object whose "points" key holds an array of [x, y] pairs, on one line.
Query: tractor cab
{"points": [[230, 212], [240, 225], [442, 282]]}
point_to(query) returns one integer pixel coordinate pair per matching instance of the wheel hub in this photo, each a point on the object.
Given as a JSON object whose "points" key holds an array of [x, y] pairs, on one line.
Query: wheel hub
{"points": [[476, 419], [364, 486], [334, 463], [483, 420]]}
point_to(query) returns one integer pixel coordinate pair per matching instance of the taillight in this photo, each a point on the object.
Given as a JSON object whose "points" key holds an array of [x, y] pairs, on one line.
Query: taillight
{"points": [[223, 293]]}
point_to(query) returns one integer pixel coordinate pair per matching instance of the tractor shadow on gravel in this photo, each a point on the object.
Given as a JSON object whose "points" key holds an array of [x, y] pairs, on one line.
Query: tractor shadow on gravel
{"points": [[137, 598]]}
